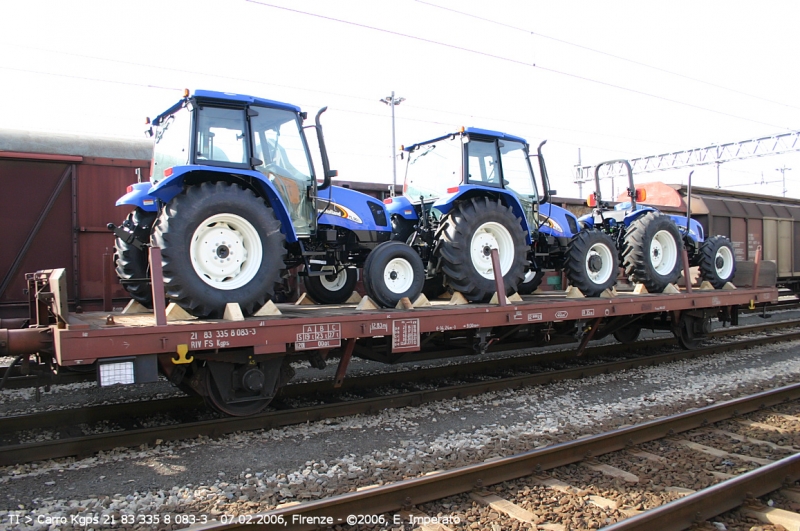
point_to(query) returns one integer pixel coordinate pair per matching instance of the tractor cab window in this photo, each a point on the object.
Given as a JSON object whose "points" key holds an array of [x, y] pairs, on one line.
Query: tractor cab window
{"points": [[433, 168], [517, 173], [519, 178], [221, 136], [171, 146], [483, 163], [280, 146]]}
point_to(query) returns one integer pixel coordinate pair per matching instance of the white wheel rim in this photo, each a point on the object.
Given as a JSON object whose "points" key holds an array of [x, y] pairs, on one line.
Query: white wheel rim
{"points": [[726, 257], [337, 282], [600, 272], [398, 275], [226, 251], [663, 252], [491, 235]]}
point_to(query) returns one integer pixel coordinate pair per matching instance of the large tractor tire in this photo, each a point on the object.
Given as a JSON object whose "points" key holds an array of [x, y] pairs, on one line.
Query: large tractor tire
{"points": [[467, 236], [531, 281], [333, 288], [402, 228], [393, 270], [716, 261], [219, 244], [652, 251], [131, 263], [592, 264]]}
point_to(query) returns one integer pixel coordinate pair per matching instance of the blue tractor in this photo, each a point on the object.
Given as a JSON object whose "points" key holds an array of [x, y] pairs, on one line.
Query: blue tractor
{"points": [[472, 191], [233, 202], [651, 243]]}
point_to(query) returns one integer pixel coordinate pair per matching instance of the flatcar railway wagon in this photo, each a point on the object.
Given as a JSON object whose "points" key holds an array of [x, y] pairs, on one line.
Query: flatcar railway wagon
{"points": [[238, 363]]}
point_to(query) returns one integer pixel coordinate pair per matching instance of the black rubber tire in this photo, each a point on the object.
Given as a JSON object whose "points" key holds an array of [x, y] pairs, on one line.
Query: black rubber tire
{"points": [[582, 259], [402, 228], [434, 287], [323, 295], [711, 252], [455, 237], [175, 229], [637, 249], [629, 334], [375, 266], [526, 288], [131, 262]]}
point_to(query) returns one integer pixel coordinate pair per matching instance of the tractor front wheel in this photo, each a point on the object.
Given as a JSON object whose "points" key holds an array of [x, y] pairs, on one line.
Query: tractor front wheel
{"points": [[335, 287], [716, 261], [393, 270], [592, 264]]}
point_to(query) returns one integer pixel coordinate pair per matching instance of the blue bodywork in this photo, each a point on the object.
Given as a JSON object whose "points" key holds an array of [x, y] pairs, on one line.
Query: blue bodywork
{"points": [[357, 203], [402, 207], [557, 222], [139, 197], [695, 229]]}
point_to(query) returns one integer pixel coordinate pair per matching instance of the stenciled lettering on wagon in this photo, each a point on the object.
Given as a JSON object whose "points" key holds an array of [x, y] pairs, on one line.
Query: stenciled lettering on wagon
{"points": [[562, 314], [587, 312], [471, 325], [315, 336], [660, 308], [379, 327], [715, 301], [200, 339], [405, 335], [445, 328], [534, 317]]}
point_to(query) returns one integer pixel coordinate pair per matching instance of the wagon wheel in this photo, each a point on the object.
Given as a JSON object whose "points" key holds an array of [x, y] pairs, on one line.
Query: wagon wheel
{"points": [[215, 399]]}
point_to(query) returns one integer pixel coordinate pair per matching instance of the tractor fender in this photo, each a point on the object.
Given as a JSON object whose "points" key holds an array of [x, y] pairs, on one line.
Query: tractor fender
{"points": [[352, 210], [559, 222], [402, 207], [636, 214], [168, 188], [695, 228], [138, 196], [466, 192]]}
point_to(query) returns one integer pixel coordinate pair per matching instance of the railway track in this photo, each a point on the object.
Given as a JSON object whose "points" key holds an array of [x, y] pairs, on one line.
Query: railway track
{"points": [[70, 441], [632, 477]]}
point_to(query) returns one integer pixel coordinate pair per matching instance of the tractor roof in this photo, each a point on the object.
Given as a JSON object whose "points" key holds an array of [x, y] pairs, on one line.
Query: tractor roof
{"points": [[223, 97], [471, 131]]}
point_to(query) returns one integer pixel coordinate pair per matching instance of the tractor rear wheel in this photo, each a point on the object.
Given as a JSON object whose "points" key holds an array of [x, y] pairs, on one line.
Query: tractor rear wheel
{"points": [[652, 250], [716, 261], [592, 264], [467, 236], [219, 244], [132, 263], [393, 270], [333, 288]]}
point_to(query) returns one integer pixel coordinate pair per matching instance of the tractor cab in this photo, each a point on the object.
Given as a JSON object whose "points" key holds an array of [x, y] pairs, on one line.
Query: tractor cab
{"points": [[205, 133], [472, 158]]}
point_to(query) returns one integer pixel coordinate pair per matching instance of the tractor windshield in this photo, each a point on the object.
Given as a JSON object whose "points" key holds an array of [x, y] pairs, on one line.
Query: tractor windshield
{"points": [[171, 146], [433, 168], [280, 146]]}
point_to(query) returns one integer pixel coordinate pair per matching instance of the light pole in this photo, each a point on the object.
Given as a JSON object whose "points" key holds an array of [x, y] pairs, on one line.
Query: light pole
{"points": [[391, 101]]}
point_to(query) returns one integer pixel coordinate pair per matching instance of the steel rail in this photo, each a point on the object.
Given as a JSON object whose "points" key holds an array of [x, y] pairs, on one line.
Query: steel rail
{"points": [[88, 445], [404, 494], [715, 500]]}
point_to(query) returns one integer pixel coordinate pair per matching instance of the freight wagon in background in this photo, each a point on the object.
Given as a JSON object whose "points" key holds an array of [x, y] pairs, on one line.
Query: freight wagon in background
{"points": [[57, 193]]}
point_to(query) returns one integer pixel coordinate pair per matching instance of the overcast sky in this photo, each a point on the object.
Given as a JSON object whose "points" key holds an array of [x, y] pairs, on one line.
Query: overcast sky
{"points": [[618, 79]]}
